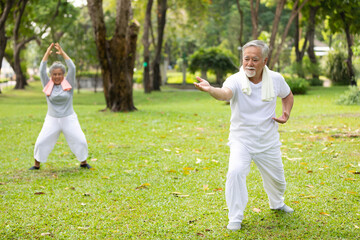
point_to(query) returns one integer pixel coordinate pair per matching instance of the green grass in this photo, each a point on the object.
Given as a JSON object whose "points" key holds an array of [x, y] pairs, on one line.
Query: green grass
{"points": [[175, 142]]}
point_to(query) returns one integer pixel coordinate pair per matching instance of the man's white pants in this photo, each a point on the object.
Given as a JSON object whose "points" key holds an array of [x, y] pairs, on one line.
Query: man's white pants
{"points": [[271, 168], [50, 132]]}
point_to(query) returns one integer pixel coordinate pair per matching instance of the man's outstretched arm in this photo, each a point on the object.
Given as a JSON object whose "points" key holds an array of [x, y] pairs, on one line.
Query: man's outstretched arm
{"points": [[223, 94]]}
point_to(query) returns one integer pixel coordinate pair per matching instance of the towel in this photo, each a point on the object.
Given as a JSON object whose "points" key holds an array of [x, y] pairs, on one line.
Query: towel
{"points": [[267, 88], [49, 86]]}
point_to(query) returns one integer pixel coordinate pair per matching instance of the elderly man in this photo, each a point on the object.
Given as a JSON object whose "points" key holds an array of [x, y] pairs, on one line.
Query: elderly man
{"points": [[254, 133]]}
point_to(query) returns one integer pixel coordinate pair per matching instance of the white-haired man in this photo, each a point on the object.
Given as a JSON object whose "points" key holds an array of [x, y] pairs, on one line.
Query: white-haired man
{"points": [[254, 133]]}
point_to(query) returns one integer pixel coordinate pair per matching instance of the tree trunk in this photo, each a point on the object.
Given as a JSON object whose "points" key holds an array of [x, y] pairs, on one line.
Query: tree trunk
{"points": [[20, 77], [116, 55], [241, 13], [350, 52], [146, 43], [254, 18], [161, 18], [203, 74], [3, 38], [279, 8], [219, 77], [299, 53], [311, 34], [295, 11]]}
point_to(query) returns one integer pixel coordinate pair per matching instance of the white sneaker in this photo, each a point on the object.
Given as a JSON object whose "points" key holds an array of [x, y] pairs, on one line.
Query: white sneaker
{"points": [[286, 209], [234, 226]]}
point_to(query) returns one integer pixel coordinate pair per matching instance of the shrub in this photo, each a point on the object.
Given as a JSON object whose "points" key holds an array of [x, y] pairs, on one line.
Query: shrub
{"points": [[138, 76], [315, 82], [338, 71], [350, 97], [298, 85], [36, 77]]}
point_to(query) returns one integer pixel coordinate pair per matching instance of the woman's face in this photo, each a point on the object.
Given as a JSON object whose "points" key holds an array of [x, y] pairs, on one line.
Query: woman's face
{"points": [[57, 76]]}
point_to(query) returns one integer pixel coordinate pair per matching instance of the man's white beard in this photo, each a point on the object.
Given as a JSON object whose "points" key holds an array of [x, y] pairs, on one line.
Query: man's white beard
{"points": [[250, 73]]}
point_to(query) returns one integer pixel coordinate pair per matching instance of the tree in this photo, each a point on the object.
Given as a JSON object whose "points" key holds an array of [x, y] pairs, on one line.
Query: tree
{"points": [[5, 7], [299, 53], [311, 36], [343, 16], [147, 26], [241, 13], [117, 54], [161, 20], [295, 10], [254, 18], [216, 59], [28, 25]]}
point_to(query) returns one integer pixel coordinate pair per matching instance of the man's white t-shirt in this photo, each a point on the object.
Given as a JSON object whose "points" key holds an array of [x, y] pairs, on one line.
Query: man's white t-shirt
{"points": [[251, 118]]}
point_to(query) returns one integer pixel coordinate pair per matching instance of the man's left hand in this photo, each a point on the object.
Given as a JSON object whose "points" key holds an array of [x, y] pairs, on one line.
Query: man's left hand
{"points": [[283, 119]]}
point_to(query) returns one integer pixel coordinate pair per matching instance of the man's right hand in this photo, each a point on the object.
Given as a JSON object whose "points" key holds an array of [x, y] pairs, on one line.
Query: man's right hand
{"points": [[202, 85]]}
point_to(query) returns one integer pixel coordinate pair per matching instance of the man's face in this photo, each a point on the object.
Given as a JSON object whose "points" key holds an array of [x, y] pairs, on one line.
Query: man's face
{"points": [[57, 76], [253, 62]]}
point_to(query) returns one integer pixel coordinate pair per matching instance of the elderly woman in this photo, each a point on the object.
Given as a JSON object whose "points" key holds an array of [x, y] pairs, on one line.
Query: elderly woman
{"points": [[60, 116]]}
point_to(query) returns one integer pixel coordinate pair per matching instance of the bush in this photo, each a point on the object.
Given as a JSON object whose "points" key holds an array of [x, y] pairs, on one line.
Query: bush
{"points": [[138, 76], [298, 85], [350, 97], [338, 71], [36, 77], [315, 82]]}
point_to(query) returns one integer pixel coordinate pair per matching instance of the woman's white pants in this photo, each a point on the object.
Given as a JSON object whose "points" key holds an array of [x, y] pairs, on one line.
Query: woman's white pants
{"points": [[271, 168], [50, 132]]}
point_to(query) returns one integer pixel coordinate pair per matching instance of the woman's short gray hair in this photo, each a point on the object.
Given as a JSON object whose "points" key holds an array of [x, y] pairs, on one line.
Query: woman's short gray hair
{"points": [[260, 44], [57, 65]]}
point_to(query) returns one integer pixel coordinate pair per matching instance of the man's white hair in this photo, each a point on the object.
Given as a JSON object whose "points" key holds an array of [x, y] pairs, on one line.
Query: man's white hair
{"points": [[260, 44]]}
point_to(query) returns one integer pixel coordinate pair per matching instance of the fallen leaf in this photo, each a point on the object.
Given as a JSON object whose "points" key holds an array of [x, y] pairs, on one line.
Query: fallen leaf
{"points": [[176, 193], [310, 186], [218, 189], [200, 234], [87, 194], [310, 171], [351, 192], [83, 228], [46, 234], [349, 179], [296, 202], [207, 230], [210, 193], [257, 210], [302, 163], [182, 196], [2, 183], [188, 168], [167, 150], [309, 196], [324, 213], [142, 186], [106, 177], [39, 193], [171, 171], [353, 172]]}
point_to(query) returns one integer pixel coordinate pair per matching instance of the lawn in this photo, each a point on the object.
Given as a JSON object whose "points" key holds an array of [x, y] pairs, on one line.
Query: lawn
{"points": [[159, 172]]}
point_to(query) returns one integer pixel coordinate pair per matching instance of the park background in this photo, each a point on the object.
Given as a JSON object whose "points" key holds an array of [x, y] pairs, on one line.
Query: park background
{"points": [[157, 146]]}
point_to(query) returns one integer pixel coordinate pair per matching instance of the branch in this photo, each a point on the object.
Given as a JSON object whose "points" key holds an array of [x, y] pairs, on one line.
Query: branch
{"points": [[18, 17], [5, 12]]}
